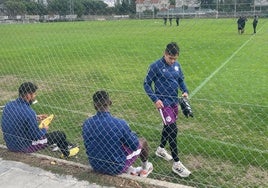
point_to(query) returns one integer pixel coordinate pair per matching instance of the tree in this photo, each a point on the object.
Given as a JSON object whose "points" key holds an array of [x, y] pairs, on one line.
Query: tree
{"points": [[132, 7], [125, 7], [172, 2], [33, 8], [14, 8], [94, 7], [60, 7], [208, 4], [79, 9]]}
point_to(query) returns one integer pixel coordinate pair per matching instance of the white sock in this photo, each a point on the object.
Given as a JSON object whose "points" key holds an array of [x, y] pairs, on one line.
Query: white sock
{"points": [[144, 164]]}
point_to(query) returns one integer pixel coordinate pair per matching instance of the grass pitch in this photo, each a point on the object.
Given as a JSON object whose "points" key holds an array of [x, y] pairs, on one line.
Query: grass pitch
{"points": [[224, 145]]}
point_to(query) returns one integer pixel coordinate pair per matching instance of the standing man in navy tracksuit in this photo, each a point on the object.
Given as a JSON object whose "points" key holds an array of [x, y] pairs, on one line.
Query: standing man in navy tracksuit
{"points": [[167, 77], [255, 22]]}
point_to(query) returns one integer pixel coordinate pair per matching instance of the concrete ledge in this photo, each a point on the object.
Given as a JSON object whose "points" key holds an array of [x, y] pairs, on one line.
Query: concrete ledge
{"points": [[148, 181]]}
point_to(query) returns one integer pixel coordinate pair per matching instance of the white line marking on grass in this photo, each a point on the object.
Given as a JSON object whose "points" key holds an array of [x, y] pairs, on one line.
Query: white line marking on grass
{"points": [[66, 110], [227, 144], [234, 103], [218, 69], [159, 128]]}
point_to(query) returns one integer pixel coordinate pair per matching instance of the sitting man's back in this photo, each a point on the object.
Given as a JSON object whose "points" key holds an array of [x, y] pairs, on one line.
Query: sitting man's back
{"points": [[110, 144]]}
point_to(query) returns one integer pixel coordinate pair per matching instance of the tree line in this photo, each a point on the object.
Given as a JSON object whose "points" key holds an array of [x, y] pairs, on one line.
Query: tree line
{"points": [[99, 7], [66, 7]]}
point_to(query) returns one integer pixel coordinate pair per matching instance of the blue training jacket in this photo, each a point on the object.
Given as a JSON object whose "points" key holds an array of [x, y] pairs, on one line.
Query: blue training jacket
{"points": [[167, 79], [104, 137], [19, 125]]}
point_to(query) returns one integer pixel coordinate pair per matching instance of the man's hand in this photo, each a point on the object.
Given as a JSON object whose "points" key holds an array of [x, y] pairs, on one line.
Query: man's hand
{"points": [[185, 94], [159, 104], [41, 117]]}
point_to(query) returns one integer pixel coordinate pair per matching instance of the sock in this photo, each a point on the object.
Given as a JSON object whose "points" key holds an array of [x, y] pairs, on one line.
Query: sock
{"points": [[144, 164]]}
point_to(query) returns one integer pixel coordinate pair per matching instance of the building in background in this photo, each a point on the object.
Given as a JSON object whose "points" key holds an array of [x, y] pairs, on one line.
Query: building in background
{"points": [[165, 5]]}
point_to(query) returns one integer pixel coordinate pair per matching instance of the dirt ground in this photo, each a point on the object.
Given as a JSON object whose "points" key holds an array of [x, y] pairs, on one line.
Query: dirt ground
{"points": [[71, 169]]}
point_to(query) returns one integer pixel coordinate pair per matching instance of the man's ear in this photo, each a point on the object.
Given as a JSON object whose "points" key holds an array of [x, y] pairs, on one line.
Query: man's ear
{"points": [[110, 103], [28, 97]]}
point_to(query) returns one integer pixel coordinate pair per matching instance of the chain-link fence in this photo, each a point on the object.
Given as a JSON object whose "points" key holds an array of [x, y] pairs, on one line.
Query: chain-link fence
{"points": [[224, 145]]}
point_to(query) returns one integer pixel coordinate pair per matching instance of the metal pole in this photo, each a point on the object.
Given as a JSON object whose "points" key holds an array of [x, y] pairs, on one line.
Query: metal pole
{"points": [[254, 7], [217, 8], [182, 8], [235, 9]]}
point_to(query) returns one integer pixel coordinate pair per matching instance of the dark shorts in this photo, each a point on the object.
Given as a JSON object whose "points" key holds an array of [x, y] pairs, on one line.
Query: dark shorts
{"points": [[131, 157], [169, 114]]}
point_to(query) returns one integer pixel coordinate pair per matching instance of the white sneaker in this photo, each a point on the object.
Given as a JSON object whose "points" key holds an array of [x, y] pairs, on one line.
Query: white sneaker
{"points": [[56, 148], [134, 171], [145, 172], [161, 152], [180, 169]]}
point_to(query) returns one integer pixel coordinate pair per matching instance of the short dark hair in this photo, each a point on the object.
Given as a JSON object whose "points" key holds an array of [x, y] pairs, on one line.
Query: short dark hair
{"points": [[172, 49], [27, 88], [101, 99]]}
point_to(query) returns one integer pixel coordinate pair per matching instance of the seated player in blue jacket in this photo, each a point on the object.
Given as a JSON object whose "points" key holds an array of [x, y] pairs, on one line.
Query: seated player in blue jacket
{"points": [[110, 144], [21, 130]]}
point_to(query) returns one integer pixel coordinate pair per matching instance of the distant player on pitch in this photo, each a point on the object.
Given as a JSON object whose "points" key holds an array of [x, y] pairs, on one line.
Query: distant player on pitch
{"points": [[167, 77], [239, 25], [255, 23]]}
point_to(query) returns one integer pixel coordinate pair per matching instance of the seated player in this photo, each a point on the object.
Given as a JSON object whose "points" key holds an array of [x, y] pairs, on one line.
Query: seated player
{"points": [[110, 145], [21, 130]]}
